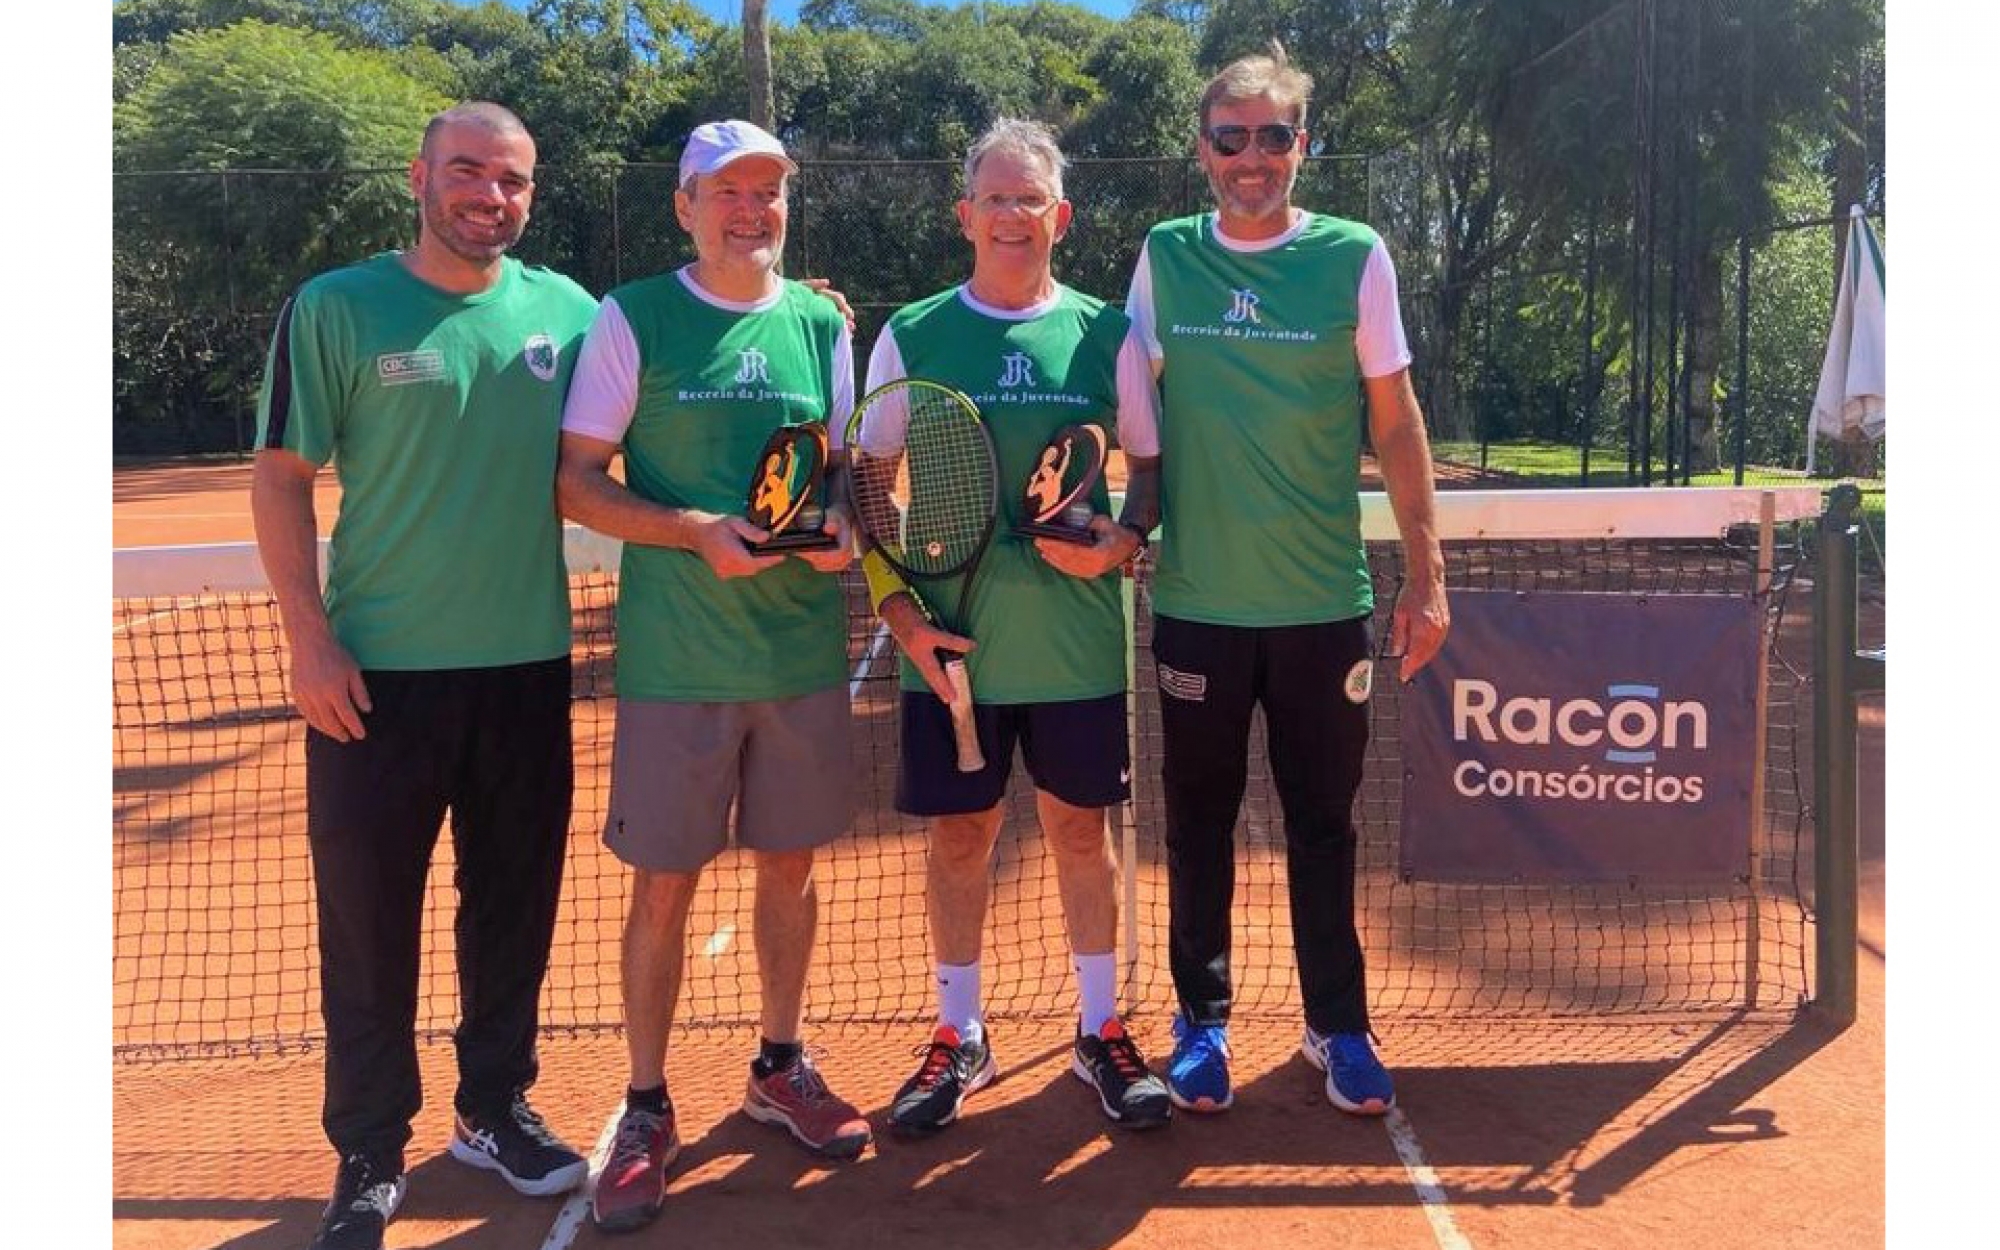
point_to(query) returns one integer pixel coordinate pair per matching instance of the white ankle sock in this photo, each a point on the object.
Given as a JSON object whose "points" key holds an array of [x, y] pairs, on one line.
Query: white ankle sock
{"points": [[1096, 989], [958, 998]]}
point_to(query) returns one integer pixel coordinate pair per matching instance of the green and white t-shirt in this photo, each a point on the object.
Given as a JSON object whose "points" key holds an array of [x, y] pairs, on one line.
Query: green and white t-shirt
{"points": [[1071, 360], [691, 385], [1263, 347], [440, 413]]}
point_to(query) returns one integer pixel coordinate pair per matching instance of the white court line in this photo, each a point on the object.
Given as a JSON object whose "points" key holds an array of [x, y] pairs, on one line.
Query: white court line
{"points": [[1437, 1206], [718, 942], [137, 621], [868, 661], [569, 1220]]}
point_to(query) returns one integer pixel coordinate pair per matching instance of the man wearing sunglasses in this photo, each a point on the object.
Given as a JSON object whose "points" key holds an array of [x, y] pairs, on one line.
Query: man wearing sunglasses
{"points": [[1275, 334]]}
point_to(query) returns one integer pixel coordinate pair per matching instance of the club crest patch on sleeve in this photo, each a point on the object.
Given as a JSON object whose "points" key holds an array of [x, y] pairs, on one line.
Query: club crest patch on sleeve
{"points": [[1360, 681]]}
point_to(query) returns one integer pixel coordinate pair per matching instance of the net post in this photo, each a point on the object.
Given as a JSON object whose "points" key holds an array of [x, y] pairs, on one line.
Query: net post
{"points": [[1835, 791], [1767, 521], [1124, 816]]}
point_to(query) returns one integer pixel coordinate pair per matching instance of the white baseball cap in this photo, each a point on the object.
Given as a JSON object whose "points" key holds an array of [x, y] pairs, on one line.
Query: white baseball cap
{"points": [[717, 144]]}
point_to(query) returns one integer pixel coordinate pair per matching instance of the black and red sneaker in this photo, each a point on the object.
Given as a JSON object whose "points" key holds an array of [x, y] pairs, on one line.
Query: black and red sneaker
{"points": [[1111, 1064], [951, 1070]]}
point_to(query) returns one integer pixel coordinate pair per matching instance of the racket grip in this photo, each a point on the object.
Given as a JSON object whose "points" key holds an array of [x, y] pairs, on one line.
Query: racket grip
{"points": [[963, 727]]}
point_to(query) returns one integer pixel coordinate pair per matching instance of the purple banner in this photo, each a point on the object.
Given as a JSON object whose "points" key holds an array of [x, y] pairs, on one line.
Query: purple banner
{"points": [[1583, 737]]}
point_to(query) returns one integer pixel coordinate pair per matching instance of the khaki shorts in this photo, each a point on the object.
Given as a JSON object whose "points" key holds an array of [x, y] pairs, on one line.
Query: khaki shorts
{"points": [[676, 768]]}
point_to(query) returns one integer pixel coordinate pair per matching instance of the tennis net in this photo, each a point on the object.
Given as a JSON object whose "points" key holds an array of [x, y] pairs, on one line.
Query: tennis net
{"points": [[215, 948]]}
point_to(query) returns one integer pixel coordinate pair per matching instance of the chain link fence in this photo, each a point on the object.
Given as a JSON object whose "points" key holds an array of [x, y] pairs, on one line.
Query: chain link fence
{"points": [[1526, 376]]}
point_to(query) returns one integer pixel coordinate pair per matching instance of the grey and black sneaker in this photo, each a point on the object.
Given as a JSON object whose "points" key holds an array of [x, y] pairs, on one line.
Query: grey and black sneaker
{"points": [[366, 1192], [951, 1070], [521, 1148], [1109, 1062]]}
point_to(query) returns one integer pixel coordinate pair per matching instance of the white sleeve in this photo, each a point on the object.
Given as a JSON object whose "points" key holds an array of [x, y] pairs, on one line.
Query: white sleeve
{"points": [[1138, 400], [883, 426], [841, 402], [1139, 307], [1379, 343], [604, 389]]}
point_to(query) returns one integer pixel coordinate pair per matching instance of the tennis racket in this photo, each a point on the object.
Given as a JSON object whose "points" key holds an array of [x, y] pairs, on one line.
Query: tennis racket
{"points": [[928, 500]]}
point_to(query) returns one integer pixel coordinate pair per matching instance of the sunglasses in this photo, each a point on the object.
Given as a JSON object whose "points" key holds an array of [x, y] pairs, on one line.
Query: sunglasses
{"points": [[1273, 138]]}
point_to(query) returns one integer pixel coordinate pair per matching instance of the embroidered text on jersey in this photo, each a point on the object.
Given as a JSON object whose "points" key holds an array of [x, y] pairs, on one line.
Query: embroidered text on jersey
{"points": [[399, 368]]}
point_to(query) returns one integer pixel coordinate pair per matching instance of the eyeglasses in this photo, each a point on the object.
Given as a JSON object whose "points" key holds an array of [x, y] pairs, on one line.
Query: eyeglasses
{"points": [[1033, 203], [1273, 138]]}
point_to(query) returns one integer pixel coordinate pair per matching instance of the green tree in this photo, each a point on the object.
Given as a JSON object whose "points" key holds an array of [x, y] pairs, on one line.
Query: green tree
{"points": [[1147, 91], [1734, 96], [254, 96], [1348, 46], [903, 20], [200, 261], [364, 23], [156, 21]]}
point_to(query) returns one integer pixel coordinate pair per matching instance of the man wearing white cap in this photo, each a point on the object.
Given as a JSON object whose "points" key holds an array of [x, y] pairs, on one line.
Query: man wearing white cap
{"points": [[731, 664]]}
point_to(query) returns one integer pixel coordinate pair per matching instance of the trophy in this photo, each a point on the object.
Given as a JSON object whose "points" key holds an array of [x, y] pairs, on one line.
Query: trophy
{"points": [[787, 489], [1056, 500]]}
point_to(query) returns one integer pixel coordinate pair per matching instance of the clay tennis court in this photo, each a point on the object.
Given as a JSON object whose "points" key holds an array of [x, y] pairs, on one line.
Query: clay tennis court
{"points": [[1547, 1130]]}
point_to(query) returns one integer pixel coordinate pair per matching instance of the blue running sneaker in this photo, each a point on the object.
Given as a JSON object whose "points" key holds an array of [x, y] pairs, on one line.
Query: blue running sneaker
{"points": [[1356, 1081], [1198, 1074]]}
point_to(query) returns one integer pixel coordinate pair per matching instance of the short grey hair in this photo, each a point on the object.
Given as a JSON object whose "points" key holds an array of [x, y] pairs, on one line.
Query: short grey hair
{"points": [[1267, 76], [1016, 135]]}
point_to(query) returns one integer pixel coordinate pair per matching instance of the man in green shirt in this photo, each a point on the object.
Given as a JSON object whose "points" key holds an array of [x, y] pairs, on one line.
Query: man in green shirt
{"points": [[731, 664], [434, 673], [1048, 666], [1268, 325]]}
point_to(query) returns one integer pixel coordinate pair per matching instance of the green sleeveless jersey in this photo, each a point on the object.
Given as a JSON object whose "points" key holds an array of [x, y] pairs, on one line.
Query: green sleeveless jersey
{"points": [[713, 384], [1260, 426], [1043, 635], [441, 414]]}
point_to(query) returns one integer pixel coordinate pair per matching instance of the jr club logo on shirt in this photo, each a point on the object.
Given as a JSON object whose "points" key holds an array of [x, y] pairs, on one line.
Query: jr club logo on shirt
{"points": [[539, 354], [1242, 307], [752, 366], [403, 368], [1018, 370]]}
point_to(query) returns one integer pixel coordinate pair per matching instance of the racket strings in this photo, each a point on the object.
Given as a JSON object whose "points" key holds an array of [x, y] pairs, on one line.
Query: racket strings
{"points": [[951, 485], [929, 505]]}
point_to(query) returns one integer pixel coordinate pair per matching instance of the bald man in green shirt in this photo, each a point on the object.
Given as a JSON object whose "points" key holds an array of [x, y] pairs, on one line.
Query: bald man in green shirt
{"points": [[434, 672]]}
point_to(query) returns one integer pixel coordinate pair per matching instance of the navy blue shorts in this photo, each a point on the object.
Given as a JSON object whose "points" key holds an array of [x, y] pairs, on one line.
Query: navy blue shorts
{"points": [[1076, 750]]}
